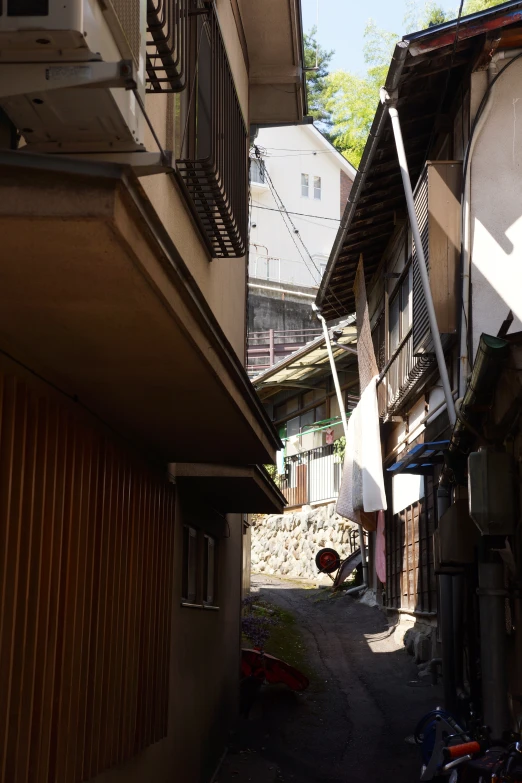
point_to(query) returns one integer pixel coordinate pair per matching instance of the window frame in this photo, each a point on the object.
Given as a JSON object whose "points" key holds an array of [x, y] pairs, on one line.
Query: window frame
{"points": [[210, 545], [317, 188], [189, 581], [303, 177]]}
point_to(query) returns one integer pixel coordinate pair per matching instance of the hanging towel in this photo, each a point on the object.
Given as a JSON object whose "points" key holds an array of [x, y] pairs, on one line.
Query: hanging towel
{"points": [[374, 496], [362, 485], [280, 462]]}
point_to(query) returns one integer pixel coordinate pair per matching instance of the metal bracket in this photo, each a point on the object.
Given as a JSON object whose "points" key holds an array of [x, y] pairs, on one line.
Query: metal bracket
{"points": [[25, 79], [143, 164]]}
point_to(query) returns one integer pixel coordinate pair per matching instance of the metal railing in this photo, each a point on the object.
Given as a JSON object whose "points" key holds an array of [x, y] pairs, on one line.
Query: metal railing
{"points": [[400, 376], [167, 45], [282, 270], [213, 165], [264, 349], [311, 477]]}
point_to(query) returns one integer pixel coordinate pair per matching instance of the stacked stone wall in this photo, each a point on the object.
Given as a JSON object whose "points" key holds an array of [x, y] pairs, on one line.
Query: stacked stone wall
{"points": [[286, 545]]}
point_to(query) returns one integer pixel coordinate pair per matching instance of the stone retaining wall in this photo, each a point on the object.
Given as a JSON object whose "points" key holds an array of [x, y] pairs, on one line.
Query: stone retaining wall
{"points": [[287, 544]]}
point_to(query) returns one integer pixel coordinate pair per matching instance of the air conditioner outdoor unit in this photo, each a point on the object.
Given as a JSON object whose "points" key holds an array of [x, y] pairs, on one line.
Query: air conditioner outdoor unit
{"points": [[72, 73]]}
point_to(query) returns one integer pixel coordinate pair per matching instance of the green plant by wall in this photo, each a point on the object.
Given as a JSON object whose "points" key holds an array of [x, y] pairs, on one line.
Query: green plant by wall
{"points": [[339, 449]]}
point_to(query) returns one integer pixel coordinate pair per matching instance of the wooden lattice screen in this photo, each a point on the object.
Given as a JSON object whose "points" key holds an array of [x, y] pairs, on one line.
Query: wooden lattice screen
{"points": [[411, 582], [86, 550]]}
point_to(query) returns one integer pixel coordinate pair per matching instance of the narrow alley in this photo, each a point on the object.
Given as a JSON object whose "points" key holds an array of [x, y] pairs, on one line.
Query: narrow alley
{"points": [[355, 721]]}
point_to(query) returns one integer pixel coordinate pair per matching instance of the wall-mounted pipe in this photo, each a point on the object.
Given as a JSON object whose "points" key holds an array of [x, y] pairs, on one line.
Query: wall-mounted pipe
{"points": [[345, 423], [390, 102]]}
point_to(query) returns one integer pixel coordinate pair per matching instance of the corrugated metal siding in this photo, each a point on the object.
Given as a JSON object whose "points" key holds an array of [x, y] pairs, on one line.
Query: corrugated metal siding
{"points": [[86, 553], [421, 325], [410, 575]]}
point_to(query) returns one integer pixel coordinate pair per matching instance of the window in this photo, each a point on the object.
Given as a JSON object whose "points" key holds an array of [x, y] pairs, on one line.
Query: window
{"points": [[209, 572], [317, 188], [257, 171], [400, 312], [305, 186], [190, 563]]}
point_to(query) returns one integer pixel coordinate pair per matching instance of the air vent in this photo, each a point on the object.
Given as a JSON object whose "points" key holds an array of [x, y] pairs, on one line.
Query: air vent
{"points": [[128, 13]]}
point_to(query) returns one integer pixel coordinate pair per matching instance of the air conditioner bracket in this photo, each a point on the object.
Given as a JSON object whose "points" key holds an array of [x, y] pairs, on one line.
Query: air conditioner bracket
{"points": [[142, 163], [26, 79]]}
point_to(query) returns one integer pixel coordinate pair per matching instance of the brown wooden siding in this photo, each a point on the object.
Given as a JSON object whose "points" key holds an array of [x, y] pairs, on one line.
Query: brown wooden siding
{"points": [[86, 553], [410, 576]]}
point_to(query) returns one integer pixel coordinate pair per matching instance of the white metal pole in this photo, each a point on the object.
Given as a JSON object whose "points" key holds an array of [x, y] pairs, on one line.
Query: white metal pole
{"points": [[403, 163], [345, 424]]}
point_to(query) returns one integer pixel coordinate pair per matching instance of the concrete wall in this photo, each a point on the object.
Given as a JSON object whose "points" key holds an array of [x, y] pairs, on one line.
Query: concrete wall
{"points": [[496, 206], [222, 281], [280, 311]]}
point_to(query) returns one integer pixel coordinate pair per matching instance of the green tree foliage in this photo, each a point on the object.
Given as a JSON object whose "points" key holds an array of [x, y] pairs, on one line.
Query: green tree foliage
{"points": [[474, 6], [351, 100], [345, 102], [319, 59]]}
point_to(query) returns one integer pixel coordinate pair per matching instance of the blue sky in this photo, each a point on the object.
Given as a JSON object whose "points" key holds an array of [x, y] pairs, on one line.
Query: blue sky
{"points": [[342, 23]]}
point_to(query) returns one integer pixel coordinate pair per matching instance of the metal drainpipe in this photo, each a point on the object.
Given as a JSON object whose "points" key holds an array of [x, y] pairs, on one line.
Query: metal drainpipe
{"points": [[493, 647], [403, 163], [333, 368], [446, 616]]}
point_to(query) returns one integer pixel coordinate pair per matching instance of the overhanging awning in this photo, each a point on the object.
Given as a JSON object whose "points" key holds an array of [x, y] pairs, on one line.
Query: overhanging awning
{"points": [[421, 459], [302, 368], [230, 489]]}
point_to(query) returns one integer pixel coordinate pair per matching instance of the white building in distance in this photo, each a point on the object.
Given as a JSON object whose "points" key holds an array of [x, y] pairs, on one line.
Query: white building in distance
{"points": [[299, 187]]}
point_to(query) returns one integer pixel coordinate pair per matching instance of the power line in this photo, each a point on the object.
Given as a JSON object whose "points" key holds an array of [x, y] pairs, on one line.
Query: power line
{"points": [[300, 214], [295, 232]]}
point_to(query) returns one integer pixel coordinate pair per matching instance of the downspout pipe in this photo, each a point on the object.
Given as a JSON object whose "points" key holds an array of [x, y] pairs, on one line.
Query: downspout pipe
{"points": [[446, 617], [390, 103], [344, 420]]}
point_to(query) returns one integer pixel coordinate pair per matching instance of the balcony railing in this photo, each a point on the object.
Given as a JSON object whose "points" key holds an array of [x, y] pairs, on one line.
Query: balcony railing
{"points": [[213, 165], [167, 45], [400, 377], [311, 477], [282, 270], [264, 349]]}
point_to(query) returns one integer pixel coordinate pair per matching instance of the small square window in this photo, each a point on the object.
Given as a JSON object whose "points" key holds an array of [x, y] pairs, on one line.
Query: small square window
{"points": [[190, 561], [209, 588], [317, 188], [305, 183]]}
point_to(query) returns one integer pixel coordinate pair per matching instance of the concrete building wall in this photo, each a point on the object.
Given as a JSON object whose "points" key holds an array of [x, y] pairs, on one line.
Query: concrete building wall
{"points": [[287, 153], [496, 207], [279, 311]]}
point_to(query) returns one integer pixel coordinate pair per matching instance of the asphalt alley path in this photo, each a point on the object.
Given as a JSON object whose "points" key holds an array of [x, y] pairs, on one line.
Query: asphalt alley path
{"points": [[351, 725]]}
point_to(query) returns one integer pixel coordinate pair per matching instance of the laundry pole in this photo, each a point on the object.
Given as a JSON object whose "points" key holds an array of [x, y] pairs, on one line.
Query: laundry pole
{"points": [[345, 424], [408, 192]]}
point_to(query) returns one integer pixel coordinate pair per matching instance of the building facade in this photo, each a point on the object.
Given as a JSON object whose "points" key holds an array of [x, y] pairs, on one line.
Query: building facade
{"points": [[299, 184], [445, 564], [129, 432]]}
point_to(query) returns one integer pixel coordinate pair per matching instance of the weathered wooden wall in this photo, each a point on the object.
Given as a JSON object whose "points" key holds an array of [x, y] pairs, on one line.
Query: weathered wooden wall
{"points": [[86, 554], [411, 582]]}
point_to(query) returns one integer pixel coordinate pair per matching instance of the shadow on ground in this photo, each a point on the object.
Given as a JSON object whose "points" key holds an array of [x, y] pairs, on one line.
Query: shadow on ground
{"points": [[352, 723]]}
